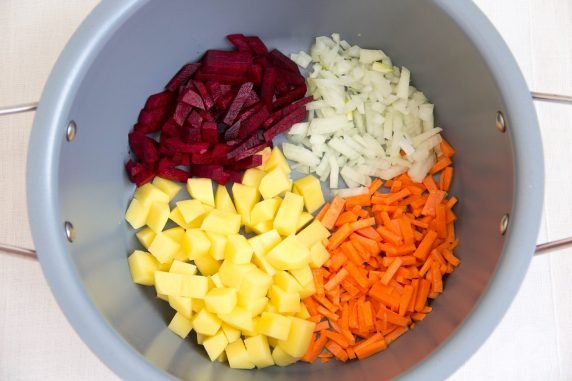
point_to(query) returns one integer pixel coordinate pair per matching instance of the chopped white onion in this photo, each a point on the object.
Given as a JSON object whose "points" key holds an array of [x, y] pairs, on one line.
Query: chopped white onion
{"points": [[349, 192]]}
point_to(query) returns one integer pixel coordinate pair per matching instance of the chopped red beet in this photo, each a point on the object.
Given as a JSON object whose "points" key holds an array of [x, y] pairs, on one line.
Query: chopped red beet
{"points": [[214, 89], [254, 74], [251, 100], [168, 170], [225, 101], [181, 112], [204, 93], [234, 63], [209, 132], [285, 123], [277, 115], [251, 151], [172, 146], [282, 61], [183, 159], [190, 97], [194, 119], [290, 97], [239, 41], [253, 122], [139, 173], [251, 142], [226, 79], [147, 128], [231, 134], [268, 86], [257, 45], [161, 99], [238, 102], [144, 148], [152, 116], [182, 76], [249, 162], [191, 135], [215, 172]]}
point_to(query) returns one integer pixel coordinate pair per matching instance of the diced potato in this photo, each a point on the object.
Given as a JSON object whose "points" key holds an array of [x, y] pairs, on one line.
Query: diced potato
{"points": [[253, 305], [175, 233], [142, 266], [287, 216], [163, 297], [263, 227], [182, 305], [194, 286], [164, 248], [299, 337], [281, 358], [206, 323], [287, 282], [207, 265], [149, 193], [181, 256], [136, 214], [238, 318], [202, 190], [197, 222], [232, 274], [221, 222], [145, 236], [170, 188], [237, 249], [191, 210], [318, 255], [232, 334], [259, 351], [181, 325], [215, 279], [158, 216], [252, 177], [303, 312], [179, 267], [270, 308], [287, 303], [220, 300], [164, 266], [274, 183], [277, 160], [265, 153], [308, 290], [215, 345], [303, 275], [178, 218], [310, 189], [223, 201], [222, 358], [245, 197], [195, 243], [289, 254], [274, 325], [304, 219], [198, 304], [315, 232], [261, 245], [168, 283], [264, 210], [201, 338], [218, 244], [255, 284], [237, 356]]}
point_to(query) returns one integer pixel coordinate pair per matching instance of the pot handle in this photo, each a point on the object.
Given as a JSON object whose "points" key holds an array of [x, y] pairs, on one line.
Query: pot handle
{"points": [[542, 248]]}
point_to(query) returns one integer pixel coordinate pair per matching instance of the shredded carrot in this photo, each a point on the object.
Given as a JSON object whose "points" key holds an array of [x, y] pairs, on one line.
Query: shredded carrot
{"points": [[333, 212], [446, 148]]}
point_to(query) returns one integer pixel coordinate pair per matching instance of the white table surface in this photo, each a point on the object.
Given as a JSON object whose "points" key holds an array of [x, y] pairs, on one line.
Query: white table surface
{"points": [[532, 342]]}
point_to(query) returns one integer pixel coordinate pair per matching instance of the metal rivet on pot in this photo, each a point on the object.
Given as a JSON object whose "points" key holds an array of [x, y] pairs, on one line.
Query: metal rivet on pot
{"points": [[71, 131], [70, 231], [503, 226], [501, 123]]}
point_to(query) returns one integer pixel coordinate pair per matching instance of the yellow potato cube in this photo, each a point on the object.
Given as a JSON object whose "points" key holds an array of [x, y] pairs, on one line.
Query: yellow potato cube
{"points": [[163, 297], [216, 281], [194, 286], [238, 318], [252, 177], [277, 160], [250, 333], [142, 266], [237, 356], [287, 303], [286, 282], [215, 345], [201, 338], [222, 358], [197, 222], [223, 201], [263, 227], [179, 267], [145, 237], [232, 334], [265, 153], [308, 290], [181, 325], [195, 243], [259, 351], [281, 358], [255, 284], [221, 222], [168, 283], [149, 193], [182, 305], [207, 265], [299, 337], [304, 219], [202, 190], [158, 216], [191, 210], [164, 266], [176, 233], [177, 218], [303, 275], [310, 189], [264, 210], [170, 188], [181, 256], [272, 341], [231, 274], [245, 197], [218, 244], [274, 183], [253, 305], [315, 232], [273, 325], [206, 323], [164, 248], [287, 216], [136, 214], [237, 249], [220, 300], [197, 305], [289, 254], [318, 255], [303, 312]]}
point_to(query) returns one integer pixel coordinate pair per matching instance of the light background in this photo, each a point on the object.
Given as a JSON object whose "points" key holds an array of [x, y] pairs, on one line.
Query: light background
{"points": [[533, 341]]}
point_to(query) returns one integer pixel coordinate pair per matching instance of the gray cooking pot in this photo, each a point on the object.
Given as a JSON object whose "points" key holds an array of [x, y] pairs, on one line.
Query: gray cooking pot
{"points": [[128, 49]]}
